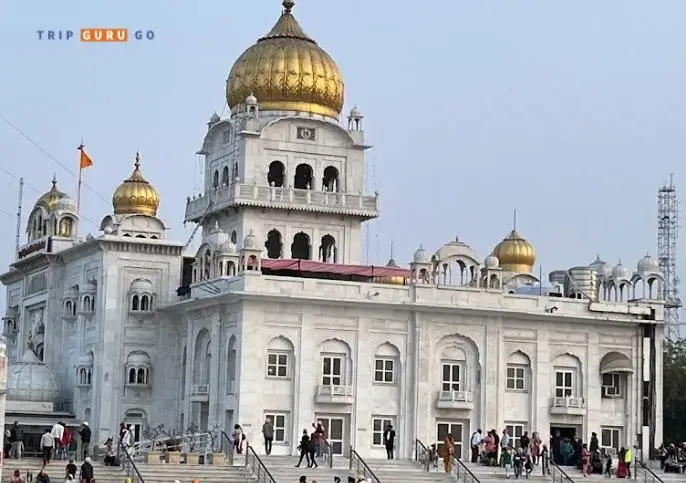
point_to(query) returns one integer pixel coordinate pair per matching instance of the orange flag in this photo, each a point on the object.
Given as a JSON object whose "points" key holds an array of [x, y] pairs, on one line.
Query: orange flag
{"points": [[86, 161]]}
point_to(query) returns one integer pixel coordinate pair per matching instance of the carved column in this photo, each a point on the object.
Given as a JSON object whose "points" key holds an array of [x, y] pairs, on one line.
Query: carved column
{"points": [[190, 346], [591, 390], [541, 380], [425, 376], [490, 376], [214, 416]]}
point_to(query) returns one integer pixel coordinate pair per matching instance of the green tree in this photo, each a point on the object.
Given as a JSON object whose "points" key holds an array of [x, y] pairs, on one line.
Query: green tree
{"points": [[674, 391]]}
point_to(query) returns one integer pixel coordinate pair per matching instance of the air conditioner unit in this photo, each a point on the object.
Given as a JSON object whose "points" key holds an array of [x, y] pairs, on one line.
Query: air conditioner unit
{"points": [[610, 391]]}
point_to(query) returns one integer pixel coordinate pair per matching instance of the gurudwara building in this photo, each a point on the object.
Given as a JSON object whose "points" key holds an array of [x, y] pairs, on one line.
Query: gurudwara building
{"points": [[276, 317]]}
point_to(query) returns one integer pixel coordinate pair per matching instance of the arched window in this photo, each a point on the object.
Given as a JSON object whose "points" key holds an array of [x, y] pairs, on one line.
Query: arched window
{"points": [[135, 303], [273, 244], [138, 367], [330, 179], [303, 177], [328, 250], [207, 265], [66, 228], [86, 303], [82, 376], [276, 174], [67, 308], [145, 302], [132, 375], [234, 172], [234, 237], [215, 179], [225, 176], [300, 248]]}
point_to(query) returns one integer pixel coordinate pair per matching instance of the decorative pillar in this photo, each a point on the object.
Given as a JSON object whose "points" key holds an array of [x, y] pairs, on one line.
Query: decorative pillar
{"points": [[541, 370], [214, 377], [3, 395]]}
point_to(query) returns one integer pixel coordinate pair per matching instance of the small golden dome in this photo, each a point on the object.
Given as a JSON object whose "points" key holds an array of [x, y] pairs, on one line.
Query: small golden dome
{"points": [[391, 279], [287, 71], [515, 253], [136, 195], [49, 200]]}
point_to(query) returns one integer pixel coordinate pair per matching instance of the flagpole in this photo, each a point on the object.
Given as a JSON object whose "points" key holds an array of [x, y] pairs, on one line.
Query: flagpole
{"points": [[78, 188]]}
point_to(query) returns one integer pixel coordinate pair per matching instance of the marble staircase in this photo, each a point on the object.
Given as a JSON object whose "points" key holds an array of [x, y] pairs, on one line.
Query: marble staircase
{"points": [[399, 470], [493, 474], [159, 473], [283, 469]]}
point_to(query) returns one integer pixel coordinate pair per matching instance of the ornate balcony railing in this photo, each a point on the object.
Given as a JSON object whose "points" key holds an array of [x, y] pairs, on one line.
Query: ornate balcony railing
{"points": [[240, 194]]}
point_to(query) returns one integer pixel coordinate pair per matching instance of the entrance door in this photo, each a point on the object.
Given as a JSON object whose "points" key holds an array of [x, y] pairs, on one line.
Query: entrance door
{"points": [[454, 428], [566, 432], [334, 430]]}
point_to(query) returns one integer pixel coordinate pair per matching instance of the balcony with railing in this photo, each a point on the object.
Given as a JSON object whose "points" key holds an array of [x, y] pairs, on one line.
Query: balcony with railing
{"points": [[240, 194], [568, 406], [200, 393], [455, 400], [341, 394]]}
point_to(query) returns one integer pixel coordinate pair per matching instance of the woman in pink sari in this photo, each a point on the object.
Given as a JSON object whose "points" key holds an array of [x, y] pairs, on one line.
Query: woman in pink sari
{"points": [[490, 449], [585, 459]]}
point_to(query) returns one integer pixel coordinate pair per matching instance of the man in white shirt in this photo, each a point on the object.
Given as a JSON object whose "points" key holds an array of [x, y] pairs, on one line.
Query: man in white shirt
{"points": [[475, 443], [47, 443], [57, 432]]}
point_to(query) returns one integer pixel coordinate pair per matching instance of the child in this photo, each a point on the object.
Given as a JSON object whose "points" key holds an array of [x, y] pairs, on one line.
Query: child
{"points": [[506, 461], [545, 460], [433, 456], [608, 466], [518, 462], [528, 465]]}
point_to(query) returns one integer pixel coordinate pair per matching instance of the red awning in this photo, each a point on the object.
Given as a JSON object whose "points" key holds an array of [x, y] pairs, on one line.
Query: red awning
{"points": [[334, 268]]}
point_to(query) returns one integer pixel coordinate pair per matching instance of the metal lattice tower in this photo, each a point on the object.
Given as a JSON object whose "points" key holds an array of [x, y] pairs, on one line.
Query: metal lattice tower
{"points": [[667, 235]]}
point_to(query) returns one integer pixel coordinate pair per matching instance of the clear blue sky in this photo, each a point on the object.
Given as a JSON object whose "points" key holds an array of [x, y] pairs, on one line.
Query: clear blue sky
{"points": [[571, 112]]}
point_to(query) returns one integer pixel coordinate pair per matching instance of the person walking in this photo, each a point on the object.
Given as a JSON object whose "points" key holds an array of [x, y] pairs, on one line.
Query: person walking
{"points": [[47, 444], [85, 439], [475, 443], [389, 441], [448, 453], [16, 441], [304, 448], [268, 434]]}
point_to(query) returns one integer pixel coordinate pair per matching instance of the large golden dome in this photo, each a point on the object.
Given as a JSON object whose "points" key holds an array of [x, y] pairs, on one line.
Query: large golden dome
{"points": [[136, 195], [515, 253], [49, 200], [287, 71]]}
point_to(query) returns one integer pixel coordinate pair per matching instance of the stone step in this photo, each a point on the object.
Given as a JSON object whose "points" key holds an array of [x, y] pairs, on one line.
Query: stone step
{"points": [[163, 473]]}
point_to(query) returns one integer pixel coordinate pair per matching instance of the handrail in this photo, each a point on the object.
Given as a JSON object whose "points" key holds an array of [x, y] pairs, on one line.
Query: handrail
{"points": [[229, 452], [125, 450], [647, 471], [256, 467], [557, 471], [356, 459], [330, 453], [421, 454], [463, 473]]}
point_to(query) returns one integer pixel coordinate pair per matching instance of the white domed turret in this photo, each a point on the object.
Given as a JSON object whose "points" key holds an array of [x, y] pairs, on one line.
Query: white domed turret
{"points": [[250, 242], [228, 248], [355, 112], [601, 267], [31, 380], [648, 264], [65, 204], [620, 271], [214, 118], [251, 100], [420, 256], [491, 261], [141, 285]]}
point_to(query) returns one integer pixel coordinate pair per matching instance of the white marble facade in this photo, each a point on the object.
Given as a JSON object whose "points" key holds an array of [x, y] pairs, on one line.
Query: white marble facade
{"points": [[457, 344]]}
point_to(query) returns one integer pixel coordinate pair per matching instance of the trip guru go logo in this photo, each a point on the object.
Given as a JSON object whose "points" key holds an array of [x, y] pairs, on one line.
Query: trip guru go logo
{"points": [[97, 34]]}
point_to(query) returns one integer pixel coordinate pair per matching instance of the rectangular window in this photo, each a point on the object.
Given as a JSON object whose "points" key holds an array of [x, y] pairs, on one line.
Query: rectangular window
{"points": [[611, 385], [277, 365], [332, 371], [610, 437], [515, 430], [451, 376], [516, 378], [383, 371], [379, 425], [279, 422], [564, 383]]}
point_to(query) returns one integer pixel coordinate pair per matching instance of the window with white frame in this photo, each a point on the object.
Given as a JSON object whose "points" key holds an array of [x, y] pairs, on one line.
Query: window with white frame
{"points": [[516, 378], [379, 425], [610, 437], [277, 365], [612, 385], [384, 371], [515, 430], [279, 421], [451, 376], [564, 383], [332, 370]]}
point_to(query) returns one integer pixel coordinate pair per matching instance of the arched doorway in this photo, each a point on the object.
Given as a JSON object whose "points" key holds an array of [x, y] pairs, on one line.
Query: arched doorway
{"points": [[330, 179], [327, 250], [276, 174], [303, 177], [300, 248], [273, 244]]}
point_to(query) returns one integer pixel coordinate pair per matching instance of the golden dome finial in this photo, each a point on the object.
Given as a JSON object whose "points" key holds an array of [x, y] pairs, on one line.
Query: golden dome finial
{"points": [[54, 181], [49, 200], [514, 252], [136, 195], [287, 71]]}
